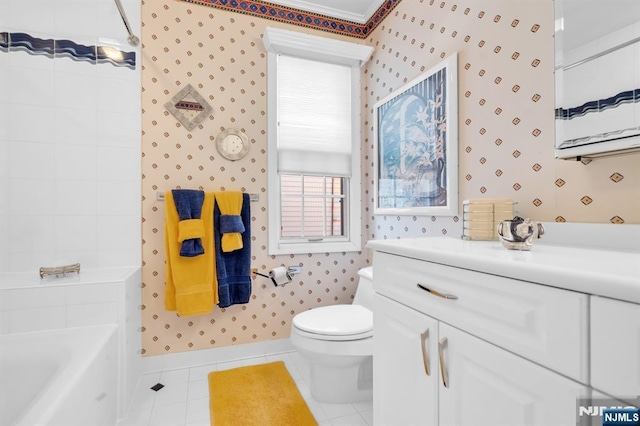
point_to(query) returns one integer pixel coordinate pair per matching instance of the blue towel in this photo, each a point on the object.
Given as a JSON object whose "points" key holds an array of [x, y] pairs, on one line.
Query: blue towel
{"points": [[234, 268], [230, 223], [189, 206]]}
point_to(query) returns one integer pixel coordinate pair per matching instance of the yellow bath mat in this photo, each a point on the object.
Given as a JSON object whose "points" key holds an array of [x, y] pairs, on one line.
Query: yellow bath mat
{"points": [[257, 395]]}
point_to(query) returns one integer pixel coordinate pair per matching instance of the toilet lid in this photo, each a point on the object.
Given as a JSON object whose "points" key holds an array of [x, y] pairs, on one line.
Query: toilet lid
{"points": [[336, 320]]}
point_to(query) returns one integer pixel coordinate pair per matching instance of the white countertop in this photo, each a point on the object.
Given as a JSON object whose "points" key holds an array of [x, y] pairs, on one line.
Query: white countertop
{"points": [[604, 272]]}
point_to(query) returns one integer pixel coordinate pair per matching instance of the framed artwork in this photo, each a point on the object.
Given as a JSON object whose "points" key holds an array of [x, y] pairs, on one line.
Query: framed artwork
{"points": [[416, 145]]}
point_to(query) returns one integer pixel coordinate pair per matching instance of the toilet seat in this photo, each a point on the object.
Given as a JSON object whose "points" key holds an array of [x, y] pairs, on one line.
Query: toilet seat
{"points": [[336, 322]]}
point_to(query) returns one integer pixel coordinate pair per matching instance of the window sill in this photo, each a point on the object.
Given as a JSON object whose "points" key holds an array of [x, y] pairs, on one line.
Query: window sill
{"points": [[319, 247]]}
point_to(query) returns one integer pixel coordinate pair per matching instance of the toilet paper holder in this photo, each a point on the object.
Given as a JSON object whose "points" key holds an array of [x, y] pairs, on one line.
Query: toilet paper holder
{"points": [[279, 276]]}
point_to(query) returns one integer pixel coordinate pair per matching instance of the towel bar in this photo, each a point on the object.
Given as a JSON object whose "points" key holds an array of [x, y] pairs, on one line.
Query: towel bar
{"points": [[252, 196]]}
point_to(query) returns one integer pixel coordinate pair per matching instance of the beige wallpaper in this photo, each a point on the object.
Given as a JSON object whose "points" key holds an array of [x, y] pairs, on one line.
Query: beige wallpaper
{"points": [[220, 53], [505, 59]]}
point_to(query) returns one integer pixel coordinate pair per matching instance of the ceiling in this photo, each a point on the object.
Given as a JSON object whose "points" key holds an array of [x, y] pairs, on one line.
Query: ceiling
{"points": [[588, 20], [350, 10]]}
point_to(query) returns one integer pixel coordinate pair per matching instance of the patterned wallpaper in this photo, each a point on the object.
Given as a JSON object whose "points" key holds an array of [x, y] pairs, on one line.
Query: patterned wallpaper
{"points": [[505, 50], [506, 122], [220, 53]]}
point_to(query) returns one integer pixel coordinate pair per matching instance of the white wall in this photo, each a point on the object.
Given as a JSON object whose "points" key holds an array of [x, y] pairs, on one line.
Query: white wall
{"points": [[69, 140]]}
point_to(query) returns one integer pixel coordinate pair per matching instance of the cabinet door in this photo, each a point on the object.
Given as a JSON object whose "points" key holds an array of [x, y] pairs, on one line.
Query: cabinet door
{"points": [[405, 378], [615, 347], [489, 386]]}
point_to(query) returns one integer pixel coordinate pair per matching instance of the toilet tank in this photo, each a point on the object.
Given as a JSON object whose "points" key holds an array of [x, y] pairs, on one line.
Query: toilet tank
{"points": [[364, 292]]}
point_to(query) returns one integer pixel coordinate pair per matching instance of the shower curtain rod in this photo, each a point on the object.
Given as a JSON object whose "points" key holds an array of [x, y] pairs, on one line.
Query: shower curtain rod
{"points": [[132, 39]]}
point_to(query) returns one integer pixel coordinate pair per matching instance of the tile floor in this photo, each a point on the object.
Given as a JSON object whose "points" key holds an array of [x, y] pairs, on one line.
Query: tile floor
{"points": [[184, 401]]}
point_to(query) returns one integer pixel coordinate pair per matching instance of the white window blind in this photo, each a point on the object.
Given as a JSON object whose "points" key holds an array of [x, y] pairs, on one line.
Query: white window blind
{"points": [[314, 117]]}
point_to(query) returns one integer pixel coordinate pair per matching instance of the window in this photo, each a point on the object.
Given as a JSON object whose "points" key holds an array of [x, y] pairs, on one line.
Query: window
{"points": [[313, 142]]}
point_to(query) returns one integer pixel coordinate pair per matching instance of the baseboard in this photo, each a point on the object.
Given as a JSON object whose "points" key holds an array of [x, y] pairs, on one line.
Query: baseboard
{"points": [[196, 358]]}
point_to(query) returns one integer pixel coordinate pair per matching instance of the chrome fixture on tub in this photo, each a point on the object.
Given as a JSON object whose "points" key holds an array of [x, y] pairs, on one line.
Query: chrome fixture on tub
{"points": [[59, 270]]}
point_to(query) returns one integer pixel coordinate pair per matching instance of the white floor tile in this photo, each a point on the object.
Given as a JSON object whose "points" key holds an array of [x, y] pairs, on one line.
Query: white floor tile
{"points": [[172, 393], [363, 406], [367, 416], [169, 415], [136, 418], [143, 397], [200, 373], [352, 420], [338, 410], [184, 401], [199, 389], [172, 377], [197, 410]]}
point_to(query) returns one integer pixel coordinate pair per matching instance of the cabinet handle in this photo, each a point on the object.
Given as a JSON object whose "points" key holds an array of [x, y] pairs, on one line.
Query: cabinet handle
{"points": [[425, 357], [443, 369], [437, 293]]}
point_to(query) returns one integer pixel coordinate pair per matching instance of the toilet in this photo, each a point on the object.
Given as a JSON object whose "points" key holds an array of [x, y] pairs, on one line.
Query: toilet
{"points": [[337, 341]]}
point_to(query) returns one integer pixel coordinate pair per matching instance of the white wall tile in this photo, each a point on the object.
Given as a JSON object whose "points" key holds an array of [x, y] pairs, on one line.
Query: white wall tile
{"points": [[75, 197], [73, 18], [22, 59], [118, 164], [37, 297], [30, 261], [91, 293], [75, 162], [4, 322], [21, 126], [119, 129], [31, 16], [87, 258], [75, 91], [4, 193], [91, 314], [28, 234], [30, 197], [119, 257], [64, 64], [4, 13], [24, 320], [75, 233], [110, 95], [4, 113], [74, 126], [30, 160], [30, 86], [118, 232], [117, 198], [110, 24]]}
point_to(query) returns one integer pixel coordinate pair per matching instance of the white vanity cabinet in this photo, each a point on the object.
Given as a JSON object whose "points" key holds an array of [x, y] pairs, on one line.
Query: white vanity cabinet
{"points": [[405, 382], [461, 339], [470, 381], [615, 347]]}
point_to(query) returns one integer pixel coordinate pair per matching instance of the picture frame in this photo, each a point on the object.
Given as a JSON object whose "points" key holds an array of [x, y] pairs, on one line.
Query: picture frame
{"points": [[416, 145]]}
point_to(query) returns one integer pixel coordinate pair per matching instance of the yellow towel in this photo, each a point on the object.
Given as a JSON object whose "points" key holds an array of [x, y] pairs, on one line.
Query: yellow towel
{"points": [[230, 203], [191, 283]]}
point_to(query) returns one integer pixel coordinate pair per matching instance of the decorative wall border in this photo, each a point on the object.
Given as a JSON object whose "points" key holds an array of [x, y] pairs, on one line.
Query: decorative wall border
{"points": [[302, 18], [10, 42]]}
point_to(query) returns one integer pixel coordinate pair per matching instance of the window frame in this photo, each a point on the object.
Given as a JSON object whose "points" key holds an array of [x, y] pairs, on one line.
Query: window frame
{"points": [[278, 41]]}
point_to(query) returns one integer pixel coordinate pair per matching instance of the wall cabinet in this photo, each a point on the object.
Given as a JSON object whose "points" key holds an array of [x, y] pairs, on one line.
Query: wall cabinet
{"points": [[455, 346]]}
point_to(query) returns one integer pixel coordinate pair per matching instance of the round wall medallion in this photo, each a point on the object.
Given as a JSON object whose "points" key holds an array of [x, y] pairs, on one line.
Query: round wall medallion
{"points": [[232, 144]]}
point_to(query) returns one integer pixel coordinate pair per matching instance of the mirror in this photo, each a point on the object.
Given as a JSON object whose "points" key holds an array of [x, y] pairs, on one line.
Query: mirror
{"points": [[597, 77]]}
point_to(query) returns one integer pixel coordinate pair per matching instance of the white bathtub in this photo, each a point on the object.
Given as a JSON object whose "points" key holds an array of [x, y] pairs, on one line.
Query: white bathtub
{"points": [[40, 311], [62, 377]]}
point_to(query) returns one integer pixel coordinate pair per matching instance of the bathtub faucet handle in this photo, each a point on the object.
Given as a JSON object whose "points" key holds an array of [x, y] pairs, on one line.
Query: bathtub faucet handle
{"points": [[57, 270]]}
